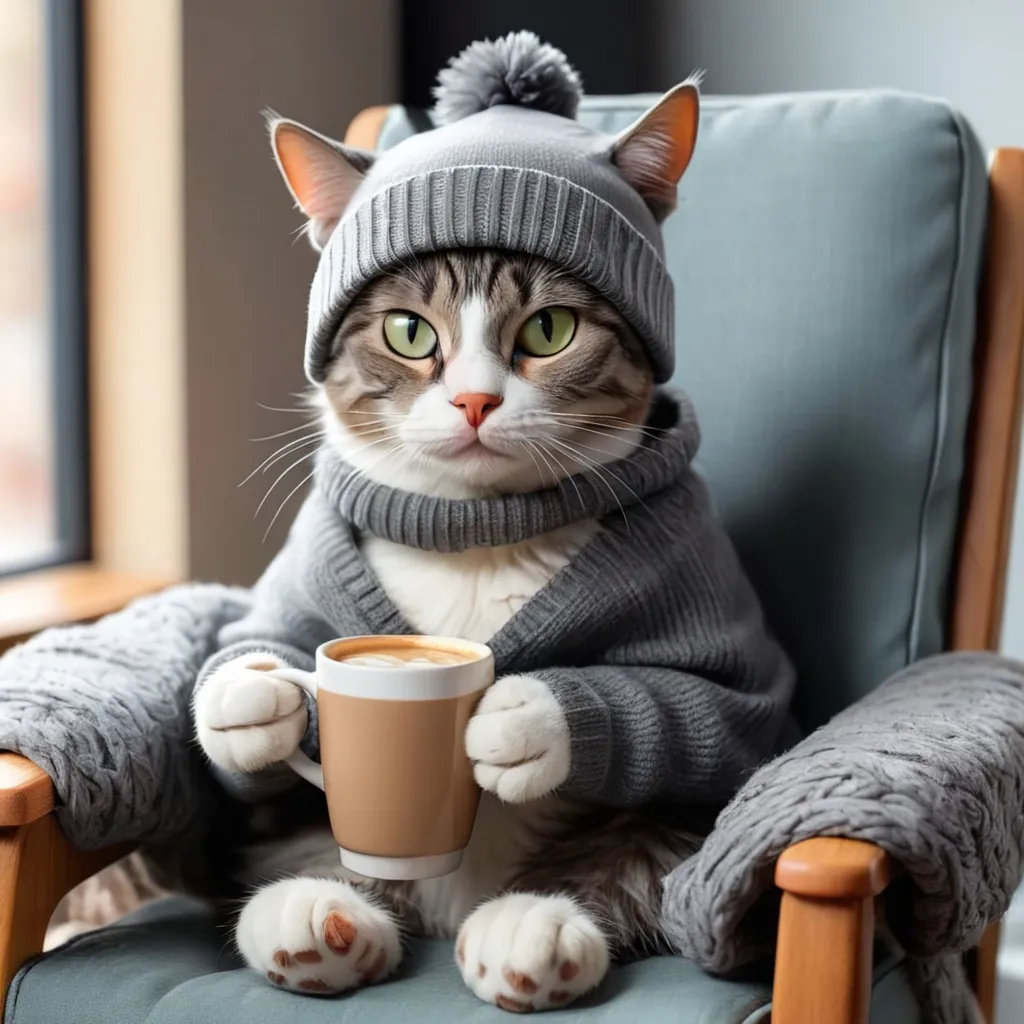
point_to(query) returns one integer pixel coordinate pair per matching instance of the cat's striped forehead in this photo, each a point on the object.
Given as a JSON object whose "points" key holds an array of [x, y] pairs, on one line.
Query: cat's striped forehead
{"points": [[476, 301], [453, 277], [492, 289]]}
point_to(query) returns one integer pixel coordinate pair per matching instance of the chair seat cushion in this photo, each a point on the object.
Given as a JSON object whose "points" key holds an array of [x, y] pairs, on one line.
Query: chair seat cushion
{"points": [[171, 963]]}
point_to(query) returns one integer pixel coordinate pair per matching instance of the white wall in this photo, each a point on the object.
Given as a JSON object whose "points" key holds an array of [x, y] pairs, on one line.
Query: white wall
{"points": [[970, 53]]}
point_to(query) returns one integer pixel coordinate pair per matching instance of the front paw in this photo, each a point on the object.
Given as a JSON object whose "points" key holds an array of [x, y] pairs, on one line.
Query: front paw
{"points": [[246, 718], [518, 739]]}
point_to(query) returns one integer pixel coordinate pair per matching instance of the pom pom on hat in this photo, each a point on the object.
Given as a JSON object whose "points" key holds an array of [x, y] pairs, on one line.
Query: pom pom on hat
{"points": [[516, 70]]}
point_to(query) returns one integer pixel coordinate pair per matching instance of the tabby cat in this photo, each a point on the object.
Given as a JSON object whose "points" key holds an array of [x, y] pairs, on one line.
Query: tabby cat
{"points": [[466, 373]]}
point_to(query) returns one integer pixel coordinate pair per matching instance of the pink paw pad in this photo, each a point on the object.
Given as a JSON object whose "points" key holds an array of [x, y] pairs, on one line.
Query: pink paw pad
{"points": [[504, 1002], [520, 982], [339, 932], [317, 985]]}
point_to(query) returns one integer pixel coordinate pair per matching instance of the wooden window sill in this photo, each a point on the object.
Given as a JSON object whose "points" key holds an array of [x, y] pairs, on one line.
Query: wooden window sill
{"points": [[67, 593]]}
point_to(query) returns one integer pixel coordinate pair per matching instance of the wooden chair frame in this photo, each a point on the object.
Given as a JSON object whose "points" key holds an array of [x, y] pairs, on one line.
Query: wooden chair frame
{"points": [[823, 963]]}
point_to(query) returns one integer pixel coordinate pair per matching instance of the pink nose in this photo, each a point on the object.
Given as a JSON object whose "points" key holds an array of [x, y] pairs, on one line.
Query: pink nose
{"points": [[476, 406]]}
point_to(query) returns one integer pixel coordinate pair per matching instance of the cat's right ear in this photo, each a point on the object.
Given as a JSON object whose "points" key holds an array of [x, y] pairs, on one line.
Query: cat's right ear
{"points": [[321, 174]]}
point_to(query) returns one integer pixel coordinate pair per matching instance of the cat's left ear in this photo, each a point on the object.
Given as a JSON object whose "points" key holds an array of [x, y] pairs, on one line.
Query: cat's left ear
{"points": [[653, 152], [321, 174]]}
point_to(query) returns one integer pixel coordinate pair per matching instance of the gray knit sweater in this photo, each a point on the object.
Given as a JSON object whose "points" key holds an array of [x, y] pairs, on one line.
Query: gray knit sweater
{"points": [[651, 639]]}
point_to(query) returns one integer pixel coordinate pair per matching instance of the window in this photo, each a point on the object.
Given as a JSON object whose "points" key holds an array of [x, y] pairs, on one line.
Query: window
{"points": [[43, 483]]}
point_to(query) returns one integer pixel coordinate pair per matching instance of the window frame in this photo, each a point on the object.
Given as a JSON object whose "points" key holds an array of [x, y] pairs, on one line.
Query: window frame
{"points": [[68, 384], [65, 113]]}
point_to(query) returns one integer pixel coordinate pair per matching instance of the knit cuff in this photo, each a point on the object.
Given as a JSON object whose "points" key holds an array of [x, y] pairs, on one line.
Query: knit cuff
{"points": [[590, 734]]}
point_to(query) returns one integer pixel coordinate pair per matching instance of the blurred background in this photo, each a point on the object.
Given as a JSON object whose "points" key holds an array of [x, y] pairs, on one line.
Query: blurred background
{"points": [[196, 294], [152, 292]]}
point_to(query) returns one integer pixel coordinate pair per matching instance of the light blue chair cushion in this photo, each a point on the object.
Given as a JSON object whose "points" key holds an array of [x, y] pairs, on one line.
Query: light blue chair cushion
{"points": [[826, 253], [170, 964]]}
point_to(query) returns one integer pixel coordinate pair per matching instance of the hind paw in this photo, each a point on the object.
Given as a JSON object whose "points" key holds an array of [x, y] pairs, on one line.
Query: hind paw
{"points": [[317, 936], [523, 952]]}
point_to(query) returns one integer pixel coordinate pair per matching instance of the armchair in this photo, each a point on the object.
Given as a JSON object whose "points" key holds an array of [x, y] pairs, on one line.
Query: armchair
{"points": [[945, 561]]}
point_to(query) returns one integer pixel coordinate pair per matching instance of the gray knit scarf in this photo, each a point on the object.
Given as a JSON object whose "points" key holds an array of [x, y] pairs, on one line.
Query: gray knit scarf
{"points": [[443, 524]]}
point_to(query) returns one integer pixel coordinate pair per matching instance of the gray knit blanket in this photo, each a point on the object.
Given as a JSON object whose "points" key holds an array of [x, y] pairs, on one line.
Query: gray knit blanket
{"points": [[105, 710], [930, 766]]}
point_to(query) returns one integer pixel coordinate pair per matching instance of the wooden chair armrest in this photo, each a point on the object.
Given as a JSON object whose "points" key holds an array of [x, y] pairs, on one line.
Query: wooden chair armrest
{"points": [[831, 868], [365, 128], [826, 930], [26, 791], [38, 866]]}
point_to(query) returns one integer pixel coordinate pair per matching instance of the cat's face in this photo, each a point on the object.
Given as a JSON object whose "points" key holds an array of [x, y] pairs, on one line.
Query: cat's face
{"points": [[477, 372]]}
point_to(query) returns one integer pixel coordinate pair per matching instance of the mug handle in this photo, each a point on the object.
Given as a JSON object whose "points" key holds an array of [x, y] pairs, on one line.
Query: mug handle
{"points": [[299, 762]]}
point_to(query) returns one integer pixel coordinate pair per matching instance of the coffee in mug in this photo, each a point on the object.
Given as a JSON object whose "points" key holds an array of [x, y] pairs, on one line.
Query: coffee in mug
{"points": [[393, 712]]}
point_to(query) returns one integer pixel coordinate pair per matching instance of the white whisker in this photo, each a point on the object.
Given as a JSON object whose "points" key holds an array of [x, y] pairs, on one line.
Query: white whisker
{"points": [[611, 422], [381, 415], [533, 459], [276, 408], [596, 468], [615, 437], [371, 428], [603, 451], [285, 449], [559, 481], [297, 462], [283, 433], [537, 448], [569, 476], [303, 458], [309, 476], [359, 471]]}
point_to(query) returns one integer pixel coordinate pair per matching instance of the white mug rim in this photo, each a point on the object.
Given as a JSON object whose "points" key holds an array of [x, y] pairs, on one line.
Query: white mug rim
{"points": [[415, 682]]}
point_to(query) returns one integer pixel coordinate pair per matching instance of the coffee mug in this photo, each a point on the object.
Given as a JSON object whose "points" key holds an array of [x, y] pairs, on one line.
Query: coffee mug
{"points": [[400, 789]]}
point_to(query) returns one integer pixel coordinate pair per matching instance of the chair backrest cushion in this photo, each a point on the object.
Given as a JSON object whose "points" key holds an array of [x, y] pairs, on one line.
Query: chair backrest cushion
{"points": [[826, 254]]}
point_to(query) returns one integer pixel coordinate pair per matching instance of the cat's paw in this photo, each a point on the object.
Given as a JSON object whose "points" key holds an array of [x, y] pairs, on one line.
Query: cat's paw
{"points": [[246, 718], [524, 952], [518, 739], [318, 936]]}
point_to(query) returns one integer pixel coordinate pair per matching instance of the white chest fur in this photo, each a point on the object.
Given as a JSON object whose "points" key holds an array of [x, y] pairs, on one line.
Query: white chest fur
{"points": [[470, 594]]}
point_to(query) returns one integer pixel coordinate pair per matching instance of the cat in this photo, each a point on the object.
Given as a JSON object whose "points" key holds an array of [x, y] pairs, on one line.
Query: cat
{"points": [[584, 879], [468, 373]]}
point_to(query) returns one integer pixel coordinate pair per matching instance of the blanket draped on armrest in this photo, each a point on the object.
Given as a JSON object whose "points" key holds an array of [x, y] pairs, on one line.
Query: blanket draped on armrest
{"points": [[104, 709], [931, 767]]}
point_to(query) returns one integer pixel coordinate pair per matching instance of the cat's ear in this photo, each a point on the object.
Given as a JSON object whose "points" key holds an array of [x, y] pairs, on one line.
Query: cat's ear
{"points": [[321, 174], [652, 153]]}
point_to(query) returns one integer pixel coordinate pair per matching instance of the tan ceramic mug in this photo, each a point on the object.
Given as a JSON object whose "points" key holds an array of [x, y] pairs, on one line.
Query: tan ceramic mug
{"points": [[393, 712]]}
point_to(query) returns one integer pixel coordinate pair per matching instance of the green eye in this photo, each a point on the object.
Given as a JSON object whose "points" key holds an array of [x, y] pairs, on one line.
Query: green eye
{"points": [[548, 331], [409, 334]]}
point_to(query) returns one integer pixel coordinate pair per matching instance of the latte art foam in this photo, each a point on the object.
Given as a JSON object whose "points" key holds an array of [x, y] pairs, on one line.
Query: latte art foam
{"points": [[382, 660]]}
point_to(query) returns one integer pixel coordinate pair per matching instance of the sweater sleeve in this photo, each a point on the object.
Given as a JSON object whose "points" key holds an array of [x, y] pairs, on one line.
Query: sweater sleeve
{"points": [[679, 690], [282, 622], [642, 734]]}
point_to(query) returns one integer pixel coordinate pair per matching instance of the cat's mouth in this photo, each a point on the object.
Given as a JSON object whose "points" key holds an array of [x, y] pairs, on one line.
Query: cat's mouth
{"points": [[476, 449], [464, 449]]}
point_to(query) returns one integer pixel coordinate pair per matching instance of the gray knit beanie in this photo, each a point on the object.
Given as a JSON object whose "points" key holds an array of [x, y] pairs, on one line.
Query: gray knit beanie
{"points": [[509, 168]]}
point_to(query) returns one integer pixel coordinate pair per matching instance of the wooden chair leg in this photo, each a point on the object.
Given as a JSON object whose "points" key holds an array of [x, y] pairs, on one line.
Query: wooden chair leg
{"points": [[37, 867], [983, 972], [823, 960]]}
